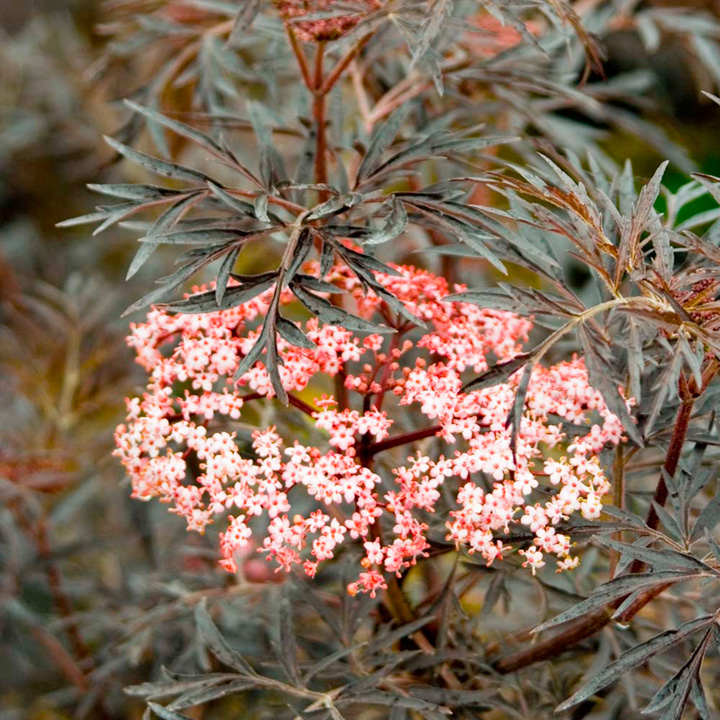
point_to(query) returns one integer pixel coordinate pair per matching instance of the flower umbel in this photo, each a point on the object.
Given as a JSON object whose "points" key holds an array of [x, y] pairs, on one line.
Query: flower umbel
{"points": [[323, 22], [300, 501]]}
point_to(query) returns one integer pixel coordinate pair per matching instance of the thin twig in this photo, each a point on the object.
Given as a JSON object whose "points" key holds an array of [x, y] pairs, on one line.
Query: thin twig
{"points": [[342, 65], [300, 56]]}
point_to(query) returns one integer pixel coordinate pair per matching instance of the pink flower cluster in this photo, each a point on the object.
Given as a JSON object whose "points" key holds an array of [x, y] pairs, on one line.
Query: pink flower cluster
{"points": [[321, 28], [299, 498]]}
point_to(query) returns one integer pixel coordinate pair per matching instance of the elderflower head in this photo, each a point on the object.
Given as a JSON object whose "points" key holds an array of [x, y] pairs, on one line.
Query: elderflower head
{"points": [[318, 21], [299, 502]]}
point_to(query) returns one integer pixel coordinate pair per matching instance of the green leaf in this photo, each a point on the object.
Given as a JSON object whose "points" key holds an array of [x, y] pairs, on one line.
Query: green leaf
{"points": [[244, 208], [232, 297], [676, 691], [156, 165], [287, 642], [633, 658], [196, 237], [171, 282], [207, 694], [223, 275], [215, 642], [617, 588], [132, 191], [168, 688], [499, 373], [161, 225], [293, 334], [665, 558], [179, 127], [335, 205], [166, 714], [394, 225], [332, 315], [381, 139], [272, 172], [302, 249]]}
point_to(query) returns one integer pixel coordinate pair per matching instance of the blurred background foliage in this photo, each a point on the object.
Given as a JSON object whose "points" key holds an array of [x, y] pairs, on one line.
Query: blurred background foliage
{"points": [[96, 590]]}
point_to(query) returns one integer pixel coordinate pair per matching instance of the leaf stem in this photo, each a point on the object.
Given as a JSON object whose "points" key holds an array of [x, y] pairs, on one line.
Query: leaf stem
{"points": [[342, 65], [404, 439], [300, 57], [319, 120]]}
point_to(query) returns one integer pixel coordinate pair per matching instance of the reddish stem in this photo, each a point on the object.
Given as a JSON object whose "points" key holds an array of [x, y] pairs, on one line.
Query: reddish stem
{"points": [[343, 64], [319, 120], [302, 405], [300, 56], [403, 439]]}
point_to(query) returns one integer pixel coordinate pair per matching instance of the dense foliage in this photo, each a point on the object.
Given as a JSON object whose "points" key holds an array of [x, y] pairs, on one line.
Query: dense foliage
{"points": [[440, 406]]}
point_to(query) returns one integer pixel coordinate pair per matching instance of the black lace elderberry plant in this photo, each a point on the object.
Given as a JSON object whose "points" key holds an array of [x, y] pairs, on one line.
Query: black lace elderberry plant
{"points": [[363, 133], [360, 175]]}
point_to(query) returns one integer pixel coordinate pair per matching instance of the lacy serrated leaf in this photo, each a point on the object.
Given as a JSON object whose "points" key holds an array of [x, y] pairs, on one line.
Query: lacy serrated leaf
{"points": [[386, 640], [169, 688], [131, 191], [364, 260], [633, 658], [272, 172], [662, 559], [381, 139], [334, 206], [244, 19], [495, 298], [223, 275], [156, 165], [87, 219], [191, 698], [293, 334], [431, 711], [614, 589], [171, 282], [317, 285], [367, 277], [215, 642], [197, 237], [498, 373], [303, 246], [244, 208], [333, 315], [253, 355], [233, 296], [674, 694], [165, 714], [708, 518], [287, 650], [161, 225], [180, 128], [601, 378], [394, 225]]}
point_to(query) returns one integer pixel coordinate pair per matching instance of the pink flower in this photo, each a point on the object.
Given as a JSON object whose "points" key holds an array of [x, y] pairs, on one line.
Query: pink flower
{"points": [[323, 29], [298, 501]]}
